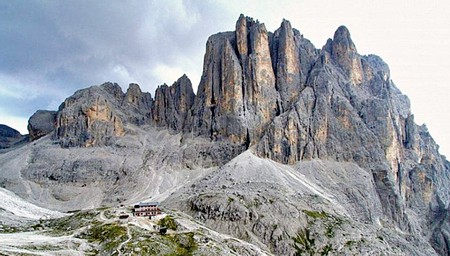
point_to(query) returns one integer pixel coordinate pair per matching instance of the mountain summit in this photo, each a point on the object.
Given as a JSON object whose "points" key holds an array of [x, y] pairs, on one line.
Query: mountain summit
{"points": [[281, 139]]}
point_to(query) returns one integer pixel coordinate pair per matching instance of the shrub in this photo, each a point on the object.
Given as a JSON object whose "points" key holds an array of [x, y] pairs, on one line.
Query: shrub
{"points": [[316, 215], [304, 243], [168, 222]]}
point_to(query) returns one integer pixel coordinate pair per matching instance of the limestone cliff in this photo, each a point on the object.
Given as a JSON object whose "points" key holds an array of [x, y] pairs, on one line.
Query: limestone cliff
{"points": [[139, 102], [350, 111], [297, 103], [99, 115], [172, 104], [249, 76], [90, 118], [287, 64]]}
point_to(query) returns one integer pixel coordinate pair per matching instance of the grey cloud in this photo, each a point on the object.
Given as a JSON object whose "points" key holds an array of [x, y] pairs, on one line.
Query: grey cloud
{"points": [[57, 47], [21, 106]]}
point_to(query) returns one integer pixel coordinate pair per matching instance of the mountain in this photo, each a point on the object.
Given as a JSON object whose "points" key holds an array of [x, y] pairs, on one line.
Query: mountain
{"points": [[288, 147], [10, 137]]}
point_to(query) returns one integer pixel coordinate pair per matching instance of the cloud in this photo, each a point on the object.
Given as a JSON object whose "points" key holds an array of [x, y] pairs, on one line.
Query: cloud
{"points": [[165, 73], [16, 122], [50, 49], [11, 88]]}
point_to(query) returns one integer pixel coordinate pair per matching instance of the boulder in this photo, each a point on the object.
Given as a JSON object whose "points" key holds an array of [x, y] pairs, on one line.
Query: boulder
{"points": [[41, 123]]}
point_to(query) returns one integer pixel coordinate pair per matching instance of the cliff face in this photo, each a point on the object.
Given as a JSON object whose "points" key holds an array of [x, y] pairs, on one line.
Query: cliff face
{"points": [[296, 103], [350, 111], [99, 115], [172, 104], [249, 77], [91, 117], [287, 101]]}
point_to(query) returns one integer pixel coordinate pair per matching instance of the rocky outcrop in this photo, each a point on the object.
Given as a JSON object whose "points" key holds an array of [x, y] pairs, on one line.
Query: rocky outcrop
{"points": [[99, 115], [41, 123], [91, 117], [237, 97], [139, 103], [350, 111], [172, 104], [343, 53], [249, 77], [287, 64], [219, 105], [322, 123]]}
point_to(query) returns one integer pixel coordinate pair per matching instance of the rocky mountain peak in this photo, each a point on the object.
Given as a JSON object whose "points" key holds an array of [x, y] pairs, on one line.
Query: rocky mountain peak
{"points": [[141, 103], [286, 27], [287, 64], [114, 89], [184, 84], [134, 89], [90, 117], [172, 104], [236, 97], [343, 52], [342, 37], [133, 94], [241, 35]]}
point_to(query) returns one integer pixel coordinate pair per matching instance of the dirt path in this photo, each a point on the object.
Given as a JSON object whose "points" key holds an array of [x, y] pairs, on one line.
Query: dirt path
{"points": [[119, 248]]}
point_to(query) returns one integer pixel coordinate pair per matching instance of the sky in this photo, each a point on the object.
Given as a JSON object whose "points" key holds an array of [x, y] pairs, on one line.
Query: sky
{"points": [[50, 49]]}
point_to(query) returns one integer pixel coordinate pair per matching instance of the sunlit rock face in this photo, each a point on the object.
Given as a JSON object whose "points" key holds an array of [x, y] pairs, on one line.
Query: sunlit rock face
{"points": [[237, 97], [90, 117]]}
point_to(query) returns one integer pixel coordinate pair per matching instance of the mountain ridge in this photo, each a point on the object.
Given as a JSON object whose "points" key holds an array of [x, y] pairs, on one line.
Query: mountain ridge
{"points": [[273, 94]]}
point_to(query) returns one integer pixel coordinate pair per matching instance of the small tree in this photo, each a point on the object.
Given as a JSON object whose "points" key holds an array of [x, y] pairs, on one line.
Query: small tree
{"points": [[168, 222]]}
